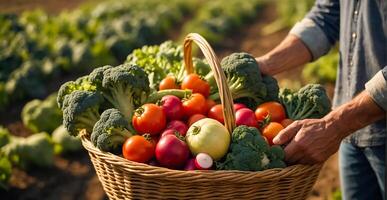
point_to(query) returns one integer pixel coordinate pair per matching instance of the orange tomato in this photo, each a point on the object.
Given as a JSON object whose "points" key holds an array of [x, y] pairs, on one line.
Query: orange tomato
{"points": [[195, 104], [168, 82], [271, 130], [272, 108], [196, 84], [139, 148], [194, 118]]}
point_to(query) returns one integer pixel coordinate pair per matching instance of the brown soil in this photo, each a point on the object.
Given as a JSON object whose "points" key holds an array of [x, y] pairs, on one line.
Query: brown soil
{"points": [[73, 176]]}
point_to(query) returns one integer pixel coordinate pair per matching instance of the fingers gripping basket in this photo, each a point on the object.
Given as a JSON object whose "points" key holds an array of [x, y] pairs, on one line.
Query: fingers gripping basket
{"points": [[123, 179]]}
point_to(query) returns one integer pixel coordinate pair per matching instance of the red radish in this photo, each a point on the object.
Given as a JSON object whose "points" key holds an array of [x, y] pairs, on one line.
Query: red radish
{"points": [[203, 161], [238, 106], [245, 116], [172, 107], [190, 165], [178, 126], [172, 152]]}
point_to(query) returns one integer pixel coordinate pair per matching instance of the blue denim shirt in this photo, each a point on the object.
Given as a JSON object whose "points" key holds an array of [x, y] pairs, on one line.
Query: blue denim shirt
{"points": [[360, 26]]}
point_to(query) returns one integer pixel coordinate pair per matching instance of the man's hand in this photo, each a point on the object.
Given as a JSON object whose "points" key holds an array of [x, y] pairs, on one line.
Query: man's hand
{"points": [[311, 141], [314, 140]]}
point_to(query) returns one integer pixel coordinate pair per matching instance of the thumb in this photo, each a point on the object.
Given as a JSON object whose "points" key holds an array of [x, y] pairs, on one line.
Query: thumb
{"points": [[285, 135]]}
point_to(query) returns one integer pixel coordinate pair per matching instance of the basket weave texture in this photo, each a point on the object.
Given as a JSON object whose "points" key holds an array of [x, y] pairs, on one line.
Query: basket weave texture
{"points": [[123, 179]]}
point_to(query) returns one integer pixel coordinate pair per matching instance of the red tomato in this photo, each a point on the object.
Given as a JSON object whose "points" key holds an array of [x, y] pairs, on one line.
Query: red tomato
{"points": [[194, 118], [149, 118], [274, 109], [138, 148], [168, 82], [238, 106], [195, 104], [216, 112], [172, 107], [210, 103], [245, 116], [196, 84], [271, 130], [286, 122]]}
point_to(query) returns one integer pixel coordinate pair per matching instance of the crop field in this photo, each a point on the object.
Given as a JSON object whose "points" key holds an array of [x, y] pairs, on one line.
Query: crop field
{"points": [[45, 44]]}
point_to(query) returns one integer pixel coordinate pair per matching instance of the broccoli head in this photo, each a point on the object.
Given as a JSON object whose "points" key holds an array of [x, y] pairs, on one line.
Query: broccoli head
{"points": [[271, 87], [125, 87], [243, 77], [64, 142], [111, 131], [36, 149], [40, 115], [82, 83], [81, 111], [311, 101], [96, 76], [249, 151]]}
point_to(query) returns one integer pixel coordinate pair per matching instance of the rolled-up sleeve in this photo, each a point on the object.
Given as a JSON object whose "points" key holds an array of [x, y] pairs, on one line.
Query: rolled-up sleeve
{"points": [[320, 28], [377, 88]]}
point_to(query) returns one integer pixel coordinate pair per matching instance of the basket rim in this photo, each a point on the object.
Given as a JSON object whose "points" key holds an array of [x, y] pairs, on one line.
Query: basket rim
{"points": [[156, 172]]}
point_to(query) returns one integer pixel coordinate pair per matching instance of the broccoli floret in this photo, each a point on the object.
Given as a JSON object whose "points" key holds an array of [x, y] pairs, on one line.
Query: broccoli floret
{"points": [[81, 111], [250, 152], [36, 149], [311, 101], [26, 81], [4, 136], [5, 172], [125, 87], [243, 77], [272, 88], [64, 142], [96, 76], [82, 83], [40, 115], [111, 131]]}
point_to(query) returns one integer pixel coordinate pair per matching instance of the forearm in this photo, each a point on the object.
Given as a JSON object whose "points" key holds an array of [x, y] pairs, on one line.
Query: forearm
{"points": [[354, 115], [290, 53]]}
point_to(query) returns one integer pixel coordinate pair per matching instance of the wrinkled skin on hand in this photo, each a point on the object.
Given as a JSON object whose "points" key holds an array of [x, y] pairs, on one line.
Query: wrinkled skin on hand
{"points": [[311, 141]]}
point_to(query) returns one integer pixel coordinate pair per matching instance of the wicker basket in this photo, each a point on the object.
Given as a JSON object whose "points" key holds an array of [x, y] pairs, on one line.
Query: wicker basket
{"points": [[123, 179]]}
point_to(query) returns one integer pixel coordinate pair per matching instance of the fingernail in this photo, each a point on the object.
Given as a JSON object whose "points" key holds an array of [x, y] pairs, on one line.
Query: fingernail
{"points": [[276, 140]]}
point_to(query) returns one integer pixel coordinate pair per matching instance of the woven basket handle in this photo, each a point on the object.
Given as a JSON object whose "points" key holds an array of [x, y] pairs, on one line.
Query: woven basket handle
{"points": [[220, 78]]}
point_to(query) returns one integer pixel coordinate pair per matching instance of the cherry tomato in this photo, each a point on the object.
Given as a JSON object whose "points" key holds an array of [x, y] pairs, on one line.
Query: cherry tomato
{"points": [[149, 118], [195, 104], [286, 122], [271, 130], [272, 108], [216, 112], [210, 103], [139, 148], [196, 84], [194, 118], [168, 82]]}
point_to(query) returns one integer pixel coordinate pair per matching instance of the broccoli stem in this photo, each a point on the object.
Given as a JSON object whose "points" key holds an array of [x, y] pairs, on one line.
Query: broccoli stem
{"points": [[124, 101], [154, 97], [301, 114]]}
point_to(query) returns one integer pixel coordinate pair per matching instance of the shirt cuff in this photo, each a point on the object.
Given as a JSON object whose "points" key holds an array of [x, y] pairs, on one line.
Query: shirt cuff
{"points": [[312, 36], [377, 89]]}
